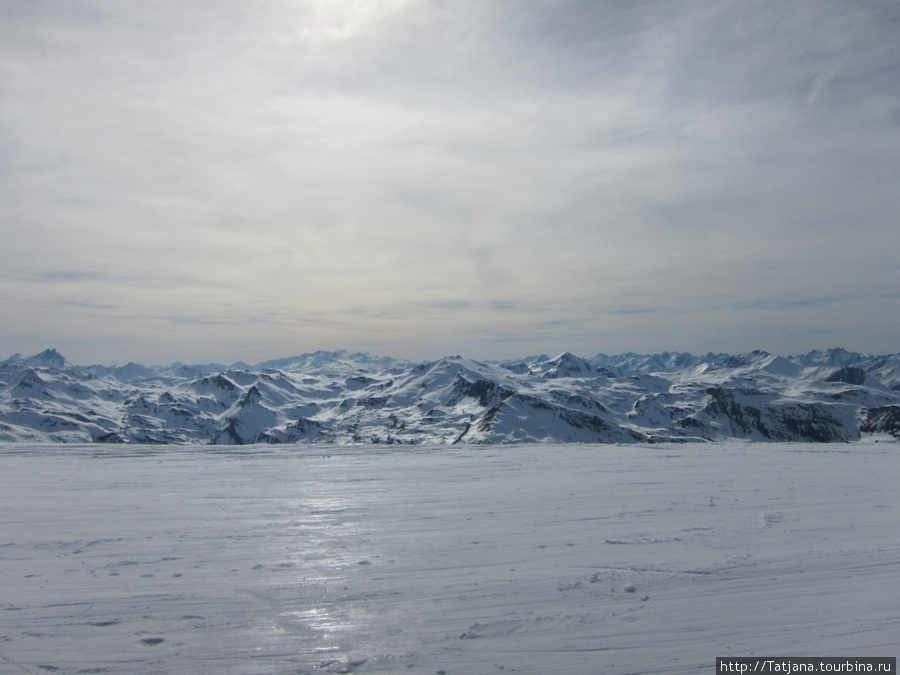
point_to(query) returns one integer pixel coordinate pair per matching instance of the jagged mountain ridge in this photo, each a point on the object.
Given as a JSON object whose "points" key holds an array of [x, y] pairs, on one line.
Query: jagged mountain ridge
{"points": [[343, 397]]}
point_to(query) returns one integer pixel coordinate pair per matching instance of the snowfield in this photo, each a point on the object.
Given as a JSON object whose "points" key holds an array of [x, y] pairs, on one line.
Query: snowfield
{"points": [[454, 559]]}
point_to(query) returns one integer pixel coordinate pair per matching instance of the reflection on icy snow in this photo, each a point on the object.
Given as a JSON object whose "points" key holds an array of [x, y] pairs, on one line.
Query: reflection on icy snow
{"points": [[327, 624], [315, 545]]}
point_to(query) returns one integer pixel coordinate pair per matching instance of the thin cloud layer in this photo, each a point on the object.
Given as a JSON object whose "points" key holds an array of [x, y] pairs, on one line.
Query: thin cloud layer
{"points": [[213, 180]]}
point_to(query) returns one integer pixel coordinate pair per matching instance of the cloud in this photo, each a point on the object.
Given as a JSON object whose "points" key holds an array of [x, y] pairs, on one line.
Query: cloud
{"points": [[422, 176], [87, 305], [648, 310], [449, 304]]}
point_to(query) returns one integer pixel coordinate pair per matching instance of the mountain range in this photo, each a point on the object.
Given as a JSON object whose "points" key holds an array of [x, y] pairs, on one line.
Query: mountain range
{"points": [[343, 398]]}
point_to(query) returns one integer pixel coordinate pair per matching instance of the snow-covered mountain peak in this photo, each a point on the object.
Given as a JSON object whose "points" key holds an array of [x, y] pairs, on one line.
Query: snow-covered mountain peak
{"points": [[132, 371], [779, 365], [567, 365], [49, 358], [449, 367], [343, 397], [830, 357], [335, 363]]}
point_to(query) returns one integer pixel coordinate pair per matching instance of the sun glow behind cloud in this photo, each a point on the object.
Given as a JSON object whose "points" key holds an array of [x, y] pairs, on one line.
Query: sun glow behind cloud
{"points": [[218, 181]]}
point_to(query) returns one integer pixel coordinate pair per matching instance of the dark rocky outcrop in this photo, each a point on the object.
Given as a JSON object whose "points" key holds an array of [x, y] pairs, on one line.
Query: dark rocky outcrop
{"points": [[848, 375], [884, 419]]}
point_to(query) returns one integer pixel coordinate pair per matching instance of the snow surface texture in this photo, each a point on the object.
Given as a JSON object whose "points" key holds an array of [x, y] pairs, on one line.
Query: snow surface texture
{"points": [[342, 398], [457, 560]]}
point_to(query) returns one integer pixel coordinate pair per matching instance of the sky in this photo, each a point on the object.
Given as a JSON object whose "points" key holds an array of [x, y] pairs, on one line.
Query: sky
{"points": [[214, 181]]}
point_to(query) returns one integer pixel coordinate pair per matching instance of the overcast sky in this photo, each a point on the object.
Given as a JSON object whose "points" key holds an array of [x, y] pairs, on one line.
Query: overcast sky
{"points": [[223, 180]]}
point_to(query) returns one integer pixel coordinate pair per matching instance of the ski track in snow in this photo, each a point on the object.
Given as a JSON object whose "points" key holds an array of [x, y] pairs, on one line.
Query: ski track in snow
{"points": [[526, 559]]}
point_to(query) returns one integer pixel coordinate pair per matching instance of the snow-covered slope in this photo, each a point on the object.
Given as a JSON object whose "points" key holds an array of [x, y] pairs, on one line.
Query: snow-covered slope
{"points": [[342, 397]]}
